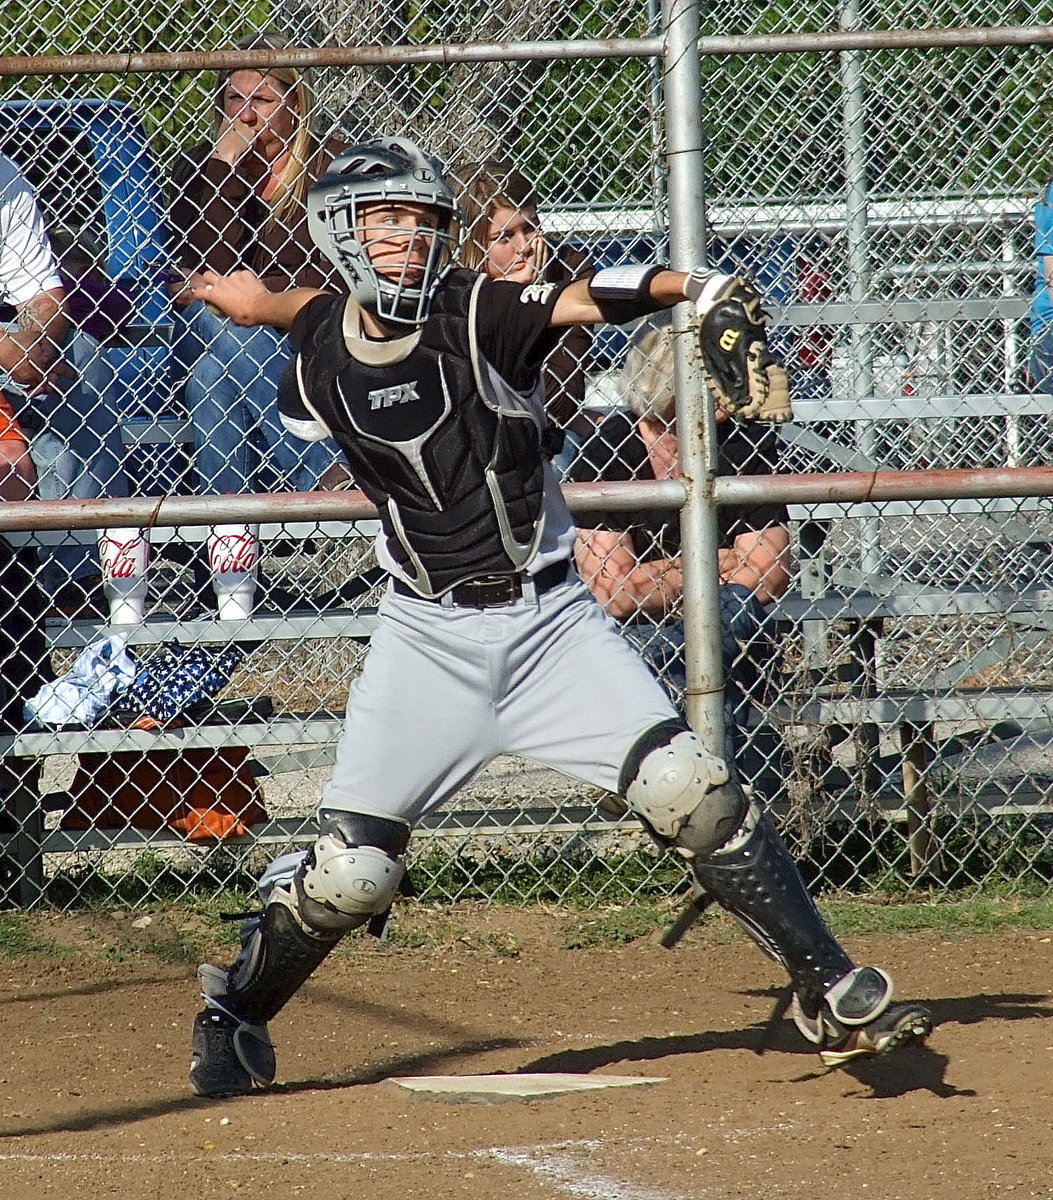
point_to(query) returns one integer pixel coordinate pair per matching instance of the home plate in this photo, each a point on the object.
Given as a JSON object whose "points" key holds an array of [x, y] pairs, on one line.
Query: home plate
{"points": [[494, 1089]]}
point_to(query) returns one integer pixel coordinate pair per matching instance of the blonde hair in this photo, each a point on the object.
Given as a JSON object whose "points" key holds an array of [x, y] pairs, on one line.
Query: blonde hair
{"points": [[482, 187], [646, 384], [290, 193]]}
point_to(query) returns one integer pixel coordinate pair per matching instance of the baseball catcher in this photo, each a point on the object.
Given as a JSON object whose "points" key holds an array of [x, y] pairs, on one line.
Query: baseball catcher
{"points": [[488, 643]]}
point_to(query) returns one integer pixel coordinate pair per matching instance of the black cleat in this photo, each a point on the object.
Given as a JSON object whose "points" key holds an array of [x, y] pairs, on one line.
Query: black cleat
{"points": [[229, 1057], [856, 1020], [898, 1026]]}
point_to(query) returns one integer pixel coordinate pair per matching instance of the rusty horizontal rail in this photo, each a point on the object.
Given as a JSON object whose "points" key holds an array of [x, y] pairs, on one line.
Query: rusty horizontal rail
{"points": [[129, 62], [859, 487]]}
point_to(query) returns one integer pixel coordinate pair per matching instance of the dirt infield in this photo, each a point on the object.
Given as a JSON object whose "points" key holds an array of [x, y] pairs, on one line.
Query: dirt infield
{"points": [[94, 1050]]}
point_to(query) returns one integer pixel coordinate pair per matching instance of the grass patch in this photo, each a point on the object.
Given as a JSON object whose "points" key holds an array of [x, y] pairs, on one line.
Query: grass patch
{"points": [[179, 948], [18, 938], [417, 926], [615, 927], [952, 917], [618, 926], [574, 877], [595, 901]]}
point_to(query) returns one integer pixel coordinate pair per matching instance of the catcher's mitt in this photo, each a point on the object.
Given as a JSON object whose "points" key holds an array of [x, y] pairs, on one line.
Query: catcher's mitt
{"points": [[746, 379]]}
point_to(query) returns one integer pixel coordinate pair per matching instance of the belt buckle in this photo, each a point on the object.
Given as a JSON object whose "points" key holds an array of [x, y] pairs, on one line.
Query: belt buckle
{"points": [[493, 590]]}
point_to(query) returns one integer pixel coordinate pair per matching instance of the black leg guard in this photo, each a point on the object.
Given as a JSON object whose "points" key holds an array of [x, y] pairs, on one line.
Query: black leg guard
{"points": [[843, 1010], [348, 879], [756, 880], [231, 1049], [278, 956]]}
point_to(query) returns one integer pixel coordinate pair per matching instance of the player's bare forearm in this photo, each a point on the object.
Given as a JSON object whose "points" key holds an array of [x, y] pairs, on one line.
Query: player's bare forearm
{"points": [[575, 305], [244, 298]]}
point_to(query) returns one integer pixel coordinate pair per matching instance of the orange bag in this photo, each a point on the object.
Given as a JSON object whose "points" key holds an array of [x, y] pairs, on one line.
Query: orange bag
{"points": [[204, 794]]}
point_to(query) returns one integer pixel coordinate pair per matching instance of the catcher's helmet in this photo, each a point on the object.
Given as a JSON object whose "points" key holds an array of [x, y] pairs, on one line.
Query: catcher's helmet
{"points": [[390, 171]]}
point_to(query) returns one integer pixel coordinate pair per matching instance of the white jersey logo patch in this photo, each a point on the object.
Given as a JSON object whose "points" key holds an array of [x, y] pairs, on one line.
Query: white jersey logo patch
{"points": [[399, 393], [536, 293]]}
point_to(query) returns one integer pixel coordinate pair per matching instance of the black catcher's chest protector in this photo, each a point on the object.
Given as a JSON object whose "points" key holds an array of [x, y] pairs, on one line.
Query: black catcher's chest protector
{"points": [[446, 449]]}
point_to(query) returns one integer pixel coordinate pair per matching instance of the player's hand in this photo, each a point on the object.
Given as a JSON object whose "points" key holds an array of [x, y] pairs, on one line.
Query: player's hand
{"points": [[179, 286], [237, 295], [746, 379]]}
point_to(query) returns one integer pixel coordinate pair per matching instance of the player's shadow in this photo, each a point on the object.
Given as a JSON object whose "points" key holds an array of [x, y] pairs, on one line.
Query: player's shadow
{"points": [[101, 988], [432, 1062], [115, 1115], [919, 1068]]}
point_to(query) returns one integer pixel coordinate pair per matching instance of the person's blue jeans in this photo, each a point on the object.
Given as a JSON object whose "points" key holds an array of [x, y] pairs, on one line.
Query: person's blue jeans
{"points": [[231, 395], [1042, 361], [742, 624], [564, 460], [75, 443]]}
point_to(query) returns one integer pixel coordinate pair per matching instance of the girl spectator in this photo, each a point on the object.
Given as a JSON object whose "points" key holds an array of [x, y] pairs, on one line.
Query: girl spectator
{"points": [[503, 238]]}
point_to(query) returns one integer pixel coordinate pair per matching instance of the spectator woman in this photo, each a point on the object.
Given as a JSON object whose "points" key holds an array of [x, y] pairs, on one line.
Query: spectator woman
{"points": [[240, 202], [503, 237]]}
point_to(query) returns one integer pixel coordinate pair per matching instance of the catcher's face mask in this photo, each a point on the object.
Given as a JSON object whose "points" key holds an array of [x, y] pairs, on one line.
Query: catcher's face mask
{"points": [[384, 216]]}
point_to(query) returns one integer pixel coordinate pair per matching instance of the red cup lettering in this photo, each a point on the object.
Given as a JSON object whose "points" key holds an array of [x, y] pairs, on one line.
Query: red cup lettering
{"points": [[234, 554], [122, 559]]}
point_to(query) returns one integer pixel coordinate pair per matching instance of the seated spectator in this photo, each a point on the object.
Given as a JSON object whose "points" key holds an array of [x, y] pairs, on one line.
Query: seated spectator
{"points": [[239, 202], [29, 358], [631, 560], [66, 405], [1042, 301], [504, 238], [76, 437], [30, 284]]}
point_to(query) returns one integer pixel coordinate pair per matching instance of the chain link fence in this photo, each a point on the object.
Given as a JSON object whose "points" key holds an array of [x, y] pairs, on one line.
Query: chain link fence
{"points": [[889, 690]]}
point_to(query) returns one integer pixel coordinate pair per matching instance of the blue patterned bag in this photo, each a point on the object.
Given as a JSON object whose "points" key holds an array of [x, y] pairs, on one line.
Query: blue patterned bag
{"points": [[175, 677]]}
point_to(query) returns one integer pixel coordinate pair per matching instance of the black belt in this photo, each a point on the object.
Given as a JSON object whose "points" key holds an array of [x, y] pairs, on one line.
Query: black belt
{"points": [[493, 591]]}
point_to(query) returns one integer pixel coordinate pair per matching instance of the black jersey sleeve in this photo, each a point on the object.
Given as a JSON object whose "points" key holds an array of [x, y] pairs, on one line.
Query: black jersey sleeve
{"points": [[515, 333]]}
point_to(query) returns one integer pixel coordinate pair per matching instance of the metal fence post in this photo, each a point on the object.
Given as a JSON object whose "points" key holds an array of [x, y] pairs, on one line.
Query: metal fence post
{"points": [[696, 427]]}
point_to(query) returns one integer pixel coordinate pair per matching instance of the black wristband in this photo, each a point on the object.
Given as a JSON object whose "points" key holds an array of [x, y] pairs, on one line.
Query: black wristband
{"points": [[624, 293]]}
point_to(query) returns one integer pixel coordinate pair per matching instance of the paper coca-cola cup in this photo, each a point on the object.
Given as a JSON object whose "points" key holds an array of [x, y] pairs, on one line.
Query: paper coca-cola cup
{"points": [[124, 555], [233, 558]]}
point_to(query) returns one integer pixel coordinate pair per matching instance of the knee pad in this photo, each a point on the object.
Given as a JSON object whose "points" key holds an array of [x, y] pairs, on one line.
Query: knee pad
{"points": [[683, 793], [352, 872]]}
